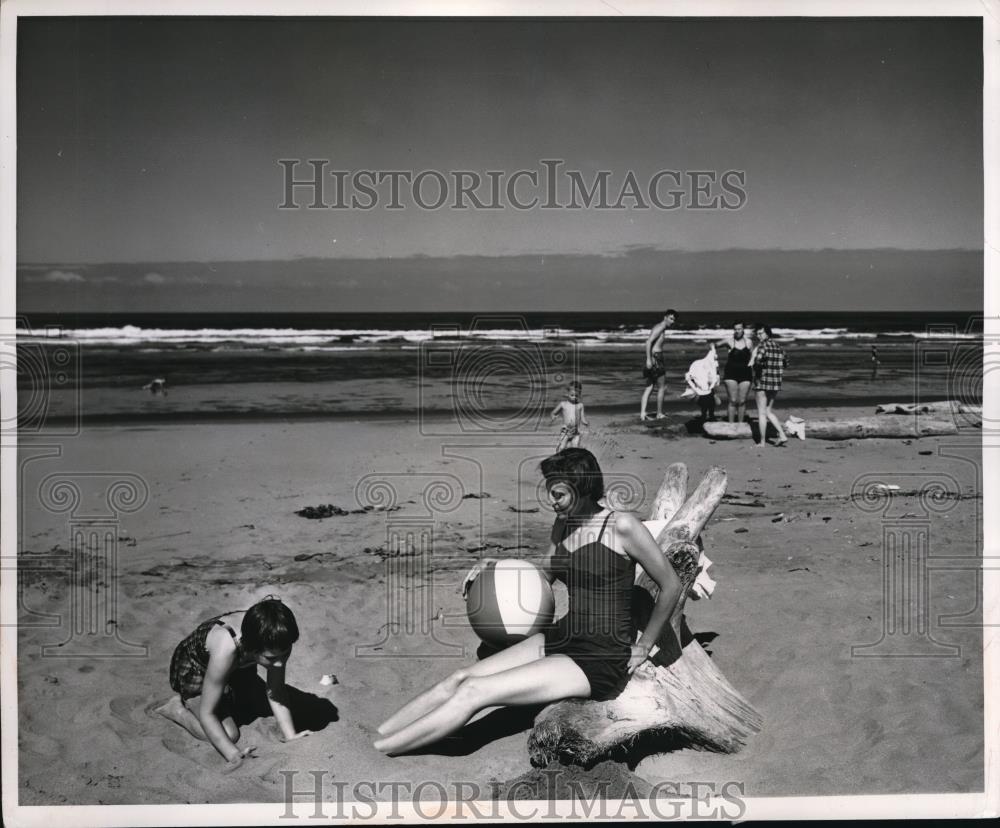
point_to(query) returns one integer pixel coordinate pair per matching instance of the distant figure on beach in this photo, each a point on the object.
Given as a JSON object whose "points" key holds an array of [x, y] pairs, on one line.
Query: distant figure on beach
{"points": [[156, 386], [702, 379], [591, 651], [205, 664], [768, 361], [738, 375], [875, 362], [573, 417], [654, 372]]}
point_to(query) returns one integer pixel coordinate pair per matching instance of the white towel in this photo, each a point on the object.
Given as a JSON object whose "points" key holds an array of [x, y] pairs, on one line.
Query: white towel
{"points": [[703, 375], [796, 426], [704, 584]]}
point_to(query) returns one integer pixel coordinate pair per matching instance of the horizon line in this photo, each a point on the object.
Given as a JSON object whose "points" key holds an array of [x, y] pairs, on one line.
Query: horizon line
{"points": [[639, 248]]}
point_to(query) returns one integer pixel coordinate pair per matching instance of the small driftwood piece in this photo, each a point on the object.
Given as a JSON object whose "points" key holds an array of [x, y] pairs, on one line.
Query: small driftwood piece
{"points": [[678, 694]]}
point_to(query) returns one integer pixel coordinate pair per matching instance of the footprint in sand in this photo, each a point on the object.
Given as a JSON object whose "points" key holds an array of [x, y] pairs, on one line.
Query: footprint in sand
{"points": [[134, 712], [183, 746], [38, 743], [874, 732], [129, 722]]}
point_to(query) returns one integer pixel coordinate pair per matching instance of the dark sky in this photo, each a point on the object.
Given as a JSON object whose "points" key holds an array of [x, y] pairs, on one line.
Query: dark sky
{"points": [[157, 140]]}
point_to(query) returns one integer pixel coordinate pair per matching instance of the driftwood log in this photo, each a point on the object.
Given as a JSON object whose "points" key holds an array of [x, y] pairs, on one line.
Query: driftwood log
{"points": [[728, 431], [678, 695], [892, 427], [969, 414], [855, 428]]}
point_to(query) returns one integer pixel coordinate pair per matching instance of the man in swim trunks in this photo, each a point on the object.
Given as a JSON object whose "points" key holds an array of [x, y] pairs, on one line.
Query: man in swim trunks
{"points": [[655, 373]]}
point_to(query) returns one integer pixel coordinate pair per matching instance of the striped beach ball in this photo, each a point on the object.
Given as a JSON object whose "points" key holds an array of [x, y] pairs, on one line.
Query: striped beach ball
{"points": [[509, 600]]}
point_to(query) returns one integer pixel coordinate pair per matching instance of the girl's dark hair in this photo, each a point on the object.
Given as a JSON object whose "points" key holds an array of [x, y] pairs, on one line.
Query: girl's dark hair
{"points": [[577, 467], [766, 329], [269, 625], [576, 385]]}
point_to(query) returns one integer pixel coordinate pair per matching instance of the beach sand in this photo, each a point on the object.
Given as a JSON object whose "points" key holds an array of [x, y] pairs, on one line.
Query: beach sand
{"points": [[219, 530]]}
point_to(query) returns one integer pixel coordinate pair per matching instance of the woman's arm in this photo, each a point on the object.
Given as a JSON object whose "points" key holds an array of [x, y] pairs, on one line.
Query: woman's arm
{"points": [[640, 545], [221, 657], [277, 697]]}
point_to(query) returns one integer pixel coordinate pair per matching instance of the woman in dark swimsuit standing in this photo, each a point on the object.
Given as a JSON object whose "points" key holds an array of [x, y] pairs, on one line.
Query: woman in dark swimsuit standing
{"points": [[738, 374], [591, 652]]}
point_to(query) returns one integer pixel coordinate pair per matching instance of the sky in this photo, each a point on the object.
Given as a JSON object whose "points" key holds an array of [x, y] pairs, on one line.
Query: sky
{"points": [[154, 144]]}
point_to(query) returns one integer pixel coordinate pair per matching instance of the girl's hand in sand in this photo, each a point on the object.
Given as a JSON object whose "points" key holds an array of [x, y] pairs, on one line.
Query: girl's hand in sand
{"points": [[301, 734], [640, 653], [237, 761], [474, 573]]}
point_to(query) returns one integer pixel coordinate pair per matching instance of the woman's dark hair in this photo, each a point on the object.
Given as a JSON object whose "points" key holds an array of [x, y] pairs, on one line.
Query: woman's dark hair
{"points": [[577, 467], [269, 625], [766, 329]]}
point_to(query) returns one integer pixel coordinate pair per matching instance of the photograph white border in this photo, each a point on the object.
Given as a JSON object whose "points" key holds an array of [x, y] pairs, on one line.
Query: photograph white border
{"points": [[924, 805]]}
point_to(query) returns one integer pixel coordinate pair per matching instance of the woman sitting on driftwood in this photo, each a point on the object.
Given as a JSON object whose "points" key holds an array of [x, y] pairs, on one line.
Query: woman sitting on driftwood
{"points": [[591, 651]]}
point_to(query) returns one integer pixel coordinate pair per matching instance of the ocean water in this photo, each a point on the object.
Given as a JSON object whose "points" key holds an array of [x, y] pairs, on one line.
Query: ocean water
{"points": [[492, 368]]}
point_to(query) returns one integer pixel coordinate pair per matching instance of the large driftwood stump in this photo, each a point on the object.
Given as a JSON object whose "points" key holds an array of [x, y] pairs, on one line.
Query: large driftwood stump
{"points": [[678, 694]]}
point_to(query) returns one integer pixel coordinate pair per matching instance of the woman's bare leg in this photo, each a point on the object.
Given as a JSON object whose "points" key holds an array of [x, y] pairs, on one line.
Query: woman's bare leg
{"points": [[731, 397], [741, 400], [782, 437], [524, 652], [543, 680], [762, 416]]}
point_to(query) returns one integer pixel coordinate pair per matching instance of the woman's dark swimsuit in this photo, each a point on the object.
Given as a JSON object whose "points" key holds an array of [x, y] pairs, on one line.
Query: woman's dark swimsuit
{"points": [[738, 365], [190, 659], [597, 632]]}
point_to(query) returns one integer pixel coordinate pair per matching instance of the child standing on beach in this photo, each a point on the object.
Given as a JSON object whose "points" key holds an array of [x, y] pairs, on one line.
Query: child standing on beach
{"points": [[205, 663], [573, 416]]}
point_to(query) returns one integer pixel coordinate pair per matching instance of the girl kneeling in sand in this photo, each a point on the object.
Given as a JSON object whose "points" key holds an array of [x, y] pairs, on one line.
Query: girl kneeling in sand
{"points": [[590, 652], [204, 663]]}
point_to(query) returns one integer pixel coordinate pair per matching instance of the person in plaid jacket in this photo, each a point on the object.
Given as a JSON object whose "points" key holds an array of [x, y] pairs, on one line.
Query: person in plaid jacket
{"points": [[768, 362]]}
